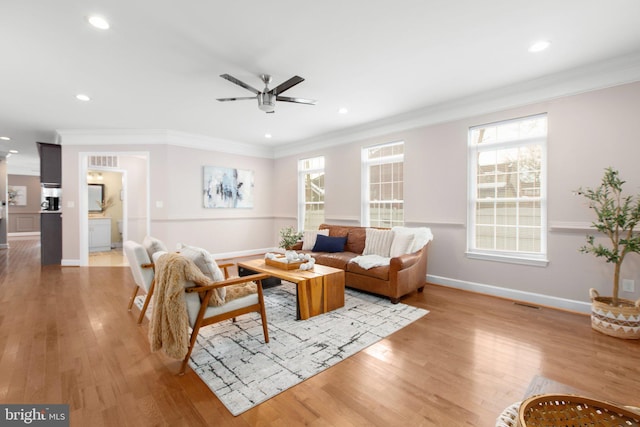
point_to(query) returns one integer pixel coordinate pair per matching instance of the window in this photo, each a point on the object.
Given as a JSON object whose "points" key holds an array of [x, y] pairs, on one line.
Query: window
{"points": [[310, 193], [382, 185], [507, 191]]}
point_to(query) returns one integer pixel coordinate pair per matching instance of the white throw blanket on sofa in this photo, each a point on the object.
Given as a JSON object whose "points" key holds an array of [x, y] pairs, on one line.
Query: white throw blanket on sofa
{"points": [[421, 236], [370, 261]]}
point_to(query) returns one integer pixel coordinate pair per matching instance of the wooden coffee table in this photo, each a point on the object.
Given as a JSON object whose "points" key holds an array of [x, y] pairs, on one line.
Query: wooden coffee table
{"points": [[317, 291]]}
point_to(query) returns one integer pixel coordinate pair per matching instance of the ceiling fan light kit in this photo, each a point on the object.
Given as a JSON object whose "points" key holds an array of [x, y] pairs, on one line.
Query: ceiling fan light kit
{"points": [[268, 97], [266, 102]]}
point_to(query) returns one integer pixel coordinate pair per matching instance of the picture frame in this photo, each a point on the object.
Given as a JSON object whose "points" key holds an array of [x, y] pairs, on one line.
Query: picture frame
{"points": [[17, 195], [225, 187]]}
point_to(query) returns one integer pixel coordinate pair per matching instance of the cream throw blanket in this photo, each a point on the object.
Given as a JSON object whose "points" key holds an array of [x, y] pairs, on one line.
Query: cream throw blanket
{"points": [[169, 325]]}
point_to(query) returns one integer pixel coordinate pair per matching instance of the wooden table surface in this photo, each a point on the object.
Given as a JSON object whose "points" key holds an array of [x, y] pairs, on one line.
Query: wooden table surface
{"points": [[317, 291]]}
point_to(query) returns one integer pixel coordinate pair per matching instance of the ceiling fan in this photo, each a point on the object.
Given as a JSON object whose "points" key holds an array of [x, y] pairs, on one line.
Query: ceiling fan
{"points": [[268, 97]]}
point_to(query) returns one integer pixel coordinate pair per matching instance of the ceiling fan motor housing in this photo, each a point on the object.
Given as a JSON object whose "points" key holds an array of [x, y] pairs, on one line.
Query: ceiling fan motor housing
{"points": [[267, 102]]}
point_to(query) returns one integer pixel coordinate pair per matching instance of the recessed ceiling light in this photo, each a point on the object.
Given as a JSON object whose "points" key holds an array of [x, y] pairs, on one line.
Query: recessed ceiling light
{"points": [[343, 110], [83, 97], [5, 138], [539, 46], [267, 135], [99, 22], [13, 151]]}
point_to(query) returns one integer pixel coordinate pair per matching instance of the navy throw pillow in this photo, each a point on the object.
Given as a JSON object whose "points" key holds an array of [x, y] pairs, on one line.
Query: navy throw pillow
{"points": [[329, 244]]}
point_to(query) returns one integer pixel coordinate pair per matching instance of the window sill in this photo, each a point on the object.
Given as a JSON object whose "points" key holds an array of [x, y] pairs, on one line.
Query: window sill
{"points": [[535, 262]]}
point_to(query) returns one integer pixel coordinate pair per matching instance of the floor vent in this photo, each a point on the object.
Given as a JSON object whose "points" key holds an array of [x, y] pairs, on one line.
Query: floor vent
{"points": [[535, 307], [103, 161]]}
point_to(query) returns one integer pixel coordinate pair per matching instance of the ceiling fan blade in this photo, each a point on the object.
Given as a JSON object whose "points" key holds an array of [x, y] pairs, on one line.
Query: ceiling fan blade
{"points": [[236, 99], [286, 85], [239, 83], [296, 100]]}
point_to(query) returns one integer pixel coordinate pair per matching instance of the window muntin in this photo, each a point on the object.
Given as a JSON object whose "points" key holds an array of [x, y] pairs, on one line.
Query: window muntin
{"points": [[383, 185], [507, 202], [311, 193]]}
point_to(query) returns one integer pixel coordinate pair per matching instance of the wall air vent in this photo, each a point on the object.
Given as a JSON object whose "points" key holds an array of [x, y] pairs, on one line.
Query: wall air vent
{"points": [[103, 161]]}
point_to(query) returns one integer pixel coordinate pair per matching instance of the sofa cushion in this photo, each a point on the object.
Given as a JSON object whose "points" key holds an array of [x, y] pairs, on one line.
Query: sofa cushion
{"points": [[336, 230], [336, 259], [329, 244], [381, 273], [356, 240], [309, 238], [378, 242], [355, 236]]}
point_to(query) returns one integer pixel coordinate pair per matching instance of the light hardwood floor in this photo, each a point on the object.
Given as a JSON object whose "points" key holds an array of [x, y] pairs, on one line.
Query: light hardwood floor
{"points": [[112, 258], [66, 337]]}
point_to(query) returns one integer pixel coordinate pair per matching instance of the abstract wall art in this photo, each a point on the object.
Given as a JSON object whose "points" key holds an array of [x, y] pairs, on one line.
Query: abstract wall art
{"points": [[227, 187]]}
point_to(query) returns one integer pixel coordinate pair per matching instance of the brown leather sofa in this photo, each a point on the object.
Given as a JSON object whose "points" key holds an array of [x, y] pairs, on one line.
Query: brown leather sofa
{"points": [[405, 274]]}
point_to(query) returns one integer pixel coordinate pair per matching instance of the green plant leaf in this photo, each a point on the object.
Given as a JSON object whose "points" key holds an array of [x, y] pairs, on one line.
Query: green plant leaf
{"points": [[617, 216]]}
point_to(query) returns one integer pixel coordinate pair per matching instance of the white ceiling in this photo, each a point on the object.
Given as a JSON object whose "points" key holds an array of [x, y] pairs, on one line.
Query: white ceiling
{"points": [[158, 65]]}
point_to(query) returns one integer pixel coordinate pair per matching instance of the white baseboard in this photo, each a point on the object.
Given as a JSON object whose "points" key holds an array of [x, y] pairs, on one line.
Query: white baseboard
{"points": [[4, 246], [513, 294], [70, 263], [24, 234]]}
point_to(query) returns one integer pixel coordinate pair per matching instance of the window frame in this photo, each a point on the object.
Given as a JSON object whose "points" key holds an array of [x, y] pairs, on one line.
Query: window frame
{"points": [[302, 202], [366, 163], [509, 256]]}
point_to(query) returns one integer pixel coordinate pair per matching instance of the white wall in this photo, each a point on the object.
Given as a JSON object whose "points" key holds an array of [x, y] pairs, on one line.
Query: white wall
{"points": [[221, 230], [175, 200], [137, 199], [587, 133]]}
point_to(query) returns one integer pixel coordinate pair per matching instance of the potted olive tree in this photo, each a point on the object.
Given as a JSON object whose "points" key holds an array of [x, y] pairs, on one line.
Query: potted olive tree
{"points": [[616, 218]]}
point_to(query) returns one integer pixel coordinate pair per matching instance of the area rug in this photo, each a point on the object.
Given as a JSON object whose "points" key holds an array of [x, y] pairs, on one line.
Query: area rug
{"points": [[243, 371]]}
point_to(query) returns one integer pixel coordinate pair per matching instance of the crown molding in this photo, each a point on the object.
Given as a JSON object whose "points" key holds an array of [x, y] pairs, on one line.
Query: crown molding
{"points": [[158, 137], [595, 76], [28, 170]]}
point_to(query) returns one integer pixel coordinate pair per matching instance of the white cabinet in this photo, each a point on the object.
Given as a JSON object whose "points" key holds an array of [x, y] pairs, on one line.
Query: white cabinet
{"points": [[99, 234]]}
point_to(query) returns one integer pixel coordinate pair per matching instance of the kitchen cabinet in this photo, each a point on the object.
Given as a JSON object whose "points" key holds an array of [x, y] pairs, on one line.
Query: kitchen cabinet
{"points": [[99, 234], [50, 163], [50, 220], [50, 238]]}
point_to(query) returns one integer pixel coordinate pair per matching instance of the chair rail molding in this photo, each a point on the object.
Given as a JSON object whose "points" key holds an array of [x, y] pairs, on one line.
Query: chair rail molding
{"points": [[564, 226]]}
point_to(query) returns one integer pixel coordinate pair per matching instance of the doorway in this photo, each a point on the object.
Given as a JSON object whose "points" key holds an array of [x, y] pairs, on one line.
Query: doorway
{"points": [[113, 206], [106, 206]]}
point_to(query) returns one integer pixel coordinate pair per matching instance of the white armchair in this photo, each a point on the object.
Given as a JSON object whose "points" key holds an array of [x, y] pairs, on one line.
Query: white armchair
{"points": [[182, 299], [142, 272], [201, 314]]}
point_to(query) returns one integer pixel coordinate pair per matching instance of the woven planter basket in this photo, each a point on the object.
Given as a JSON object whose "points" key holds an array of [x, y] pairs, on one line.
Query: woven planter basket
{"points": [[551, 410], [620, 322]]}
